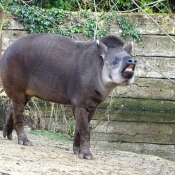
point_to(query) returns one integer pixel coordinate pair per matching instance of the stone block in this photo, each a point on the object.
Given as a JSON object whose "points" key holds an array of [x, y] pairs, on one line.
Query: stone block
{"points": [[148, 88], [134, 132]]}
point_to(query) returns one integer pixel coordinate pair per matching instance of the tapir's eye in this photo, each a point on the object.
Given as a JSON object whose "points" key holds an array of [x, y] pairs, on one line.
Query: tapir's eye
{"points": [[115, 62]]}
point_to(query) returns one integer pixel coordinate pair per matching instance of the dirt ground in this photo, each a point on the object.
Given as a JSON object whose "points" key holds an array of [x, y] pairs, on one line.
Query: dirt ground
{"points": [[50, 157]]}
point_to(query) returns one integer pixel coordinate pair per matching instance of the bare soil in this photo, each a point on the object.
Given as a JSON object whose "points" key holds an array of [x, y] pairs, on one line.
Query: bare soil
{"points": [[50, 157]]}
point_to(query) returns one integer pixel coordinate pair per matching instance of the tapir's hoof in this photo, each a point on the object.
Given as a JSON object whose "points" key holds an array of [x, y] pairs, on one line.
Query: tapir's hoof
{"points": [[76, 150], [85, 156], [7, 133], [25, 141]]}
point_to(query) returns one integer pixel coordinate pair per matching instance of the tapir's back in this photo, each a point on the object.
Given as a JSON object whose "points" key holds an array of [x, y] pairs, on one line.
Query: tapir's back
{"points": [[38, 62], [37, 47]]}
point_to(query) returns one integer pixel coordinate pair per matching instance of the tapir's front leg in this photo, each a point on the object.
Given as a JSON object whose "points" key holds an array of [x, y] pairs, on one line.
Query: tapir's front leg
{"points": [[82, 134], [76, 145]]}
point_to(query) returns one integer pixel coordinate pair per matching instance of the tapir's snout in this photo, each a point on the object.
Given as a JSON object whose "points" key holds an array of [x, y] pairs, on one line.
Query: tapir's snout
{"points": [[132, 61], [129, 64]]}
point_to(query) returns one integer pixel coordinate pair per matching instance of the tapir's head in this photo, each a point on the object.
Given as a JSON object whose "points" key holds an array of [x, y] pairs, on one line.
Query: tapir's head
{"points": [[119, 65]]}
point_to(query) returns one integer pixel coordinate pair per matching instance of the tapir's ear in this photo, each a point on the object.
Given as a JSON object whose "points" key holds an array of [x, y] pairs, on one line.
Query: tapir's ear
{"points": [[128, 48], [101, 48]]}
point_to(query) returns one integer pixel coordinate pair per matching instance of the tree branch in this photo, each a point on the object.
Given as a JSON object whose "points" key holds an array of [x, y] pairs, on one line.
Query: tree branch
{"points": [[153, 20]]}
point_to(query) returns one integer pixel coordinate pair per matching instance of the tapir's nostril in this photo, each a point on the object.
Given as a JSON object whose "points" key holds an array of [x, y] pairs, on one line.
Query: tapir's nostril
{"points": [[132, 60]]}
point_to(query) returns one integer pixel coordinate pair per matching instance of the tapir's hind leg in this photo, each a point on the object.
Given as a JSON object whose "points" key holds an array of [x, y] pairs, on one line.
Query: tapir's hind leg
{"points": [[18, 124], [15, 120], [8, 128]]}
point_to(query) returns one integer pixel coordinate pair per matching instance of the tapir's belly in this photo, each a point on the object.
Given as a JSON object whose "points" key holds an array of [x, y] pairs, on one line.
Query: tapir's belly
{"points": [[49, 91]]}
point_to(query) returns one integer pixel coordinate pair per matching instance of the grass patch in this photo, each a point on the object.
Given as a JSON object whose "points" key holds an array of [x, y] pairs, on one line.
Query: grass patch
{"points": [[51, 135]]}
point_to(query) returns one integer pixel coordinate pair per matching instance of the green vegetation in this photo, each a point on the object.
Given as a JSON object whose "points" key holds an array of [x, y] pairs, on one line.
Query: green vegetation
{"points": [[48, 16], [148, 105], [128, 29], [3, 8], [50, 135], [117, 5], [54, 20]]}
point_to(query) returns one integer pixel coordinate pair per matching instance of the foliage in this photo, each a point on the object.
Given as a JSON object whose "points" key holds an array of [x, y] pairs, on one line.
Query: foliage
{"points": [[52, 16], [3, 8], [6, 25], [121, 5], [128, 29], [38, 20]]}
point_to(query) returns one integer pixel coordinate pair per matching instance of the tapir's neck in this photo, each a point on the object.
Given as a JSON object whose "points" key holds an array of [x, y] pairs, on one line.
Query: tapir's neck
{"points": [[105, 84], [107, 80]]}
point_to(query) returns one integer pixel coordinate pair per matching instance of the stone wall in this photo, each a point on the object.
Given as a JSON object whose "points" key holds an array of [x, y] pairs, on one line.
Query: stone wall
{"points": [[156, 59], [156, 51], [156, 56]]}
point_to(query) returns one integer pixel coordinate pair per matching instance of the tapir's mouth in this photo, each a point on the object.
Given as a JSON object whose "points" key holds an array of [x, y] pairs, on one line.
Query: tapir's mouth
{"points": [[128, 71], [130, 67]]}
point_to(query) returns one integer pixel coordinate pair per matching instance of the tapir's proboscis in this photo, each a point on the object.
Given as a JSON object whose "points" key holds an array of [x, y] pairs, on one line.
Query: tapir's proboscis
{"points": [[67, 71]]}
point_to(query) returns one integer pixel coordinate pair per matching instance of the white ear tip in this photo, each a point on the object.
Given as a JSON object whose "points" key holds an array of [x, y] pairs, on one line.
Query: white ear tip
{"points": [[97, 41]]}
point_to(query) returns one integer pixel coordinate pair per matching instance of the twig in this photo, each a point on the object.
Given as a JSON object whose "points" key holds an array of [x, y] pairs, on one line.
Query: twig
{"points": [[39, 111], [109, 109], [41, 14], [78, 5], [96, 20], [157, 71], [153, 20], [151, 3], [51, 116], [28, 1], [64, 115]]}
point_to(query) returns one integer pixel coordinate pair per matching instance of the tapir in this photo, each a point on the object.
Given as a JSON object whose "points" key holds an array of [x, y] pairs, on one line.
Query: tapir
{"points": [[63, 70]]}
